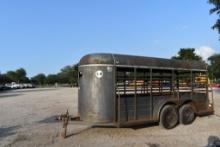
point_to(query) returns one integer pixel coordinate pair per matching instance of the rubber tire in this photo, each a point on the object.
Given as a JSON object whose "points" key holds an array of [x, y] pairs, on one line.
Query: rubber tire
{"points": [[186, 114], [168, 117]]}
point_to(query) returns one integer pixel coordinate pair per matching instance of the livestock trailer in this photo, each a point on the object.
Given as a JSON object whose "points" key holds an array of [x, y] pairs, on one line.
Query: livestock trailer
{"points": [[126, 90]]}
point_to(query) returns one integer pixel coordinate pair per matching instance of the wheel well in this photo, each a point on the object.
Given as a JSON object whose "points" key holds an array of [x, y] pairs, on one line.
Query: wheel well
{"points": [[168, 103], [172, 103], [190, 102]]}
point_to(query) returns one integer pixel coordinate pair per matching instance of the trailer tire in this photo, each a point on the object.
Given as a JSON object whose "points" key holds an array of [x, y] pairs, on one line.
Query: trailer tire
{"points": [[186, 114], [168, 117]]}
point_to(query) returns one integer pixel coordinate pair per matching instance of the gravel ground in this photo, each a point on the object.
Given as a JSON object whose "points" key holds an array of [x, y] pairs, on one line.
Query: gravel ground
{"points": [[27, 119]]}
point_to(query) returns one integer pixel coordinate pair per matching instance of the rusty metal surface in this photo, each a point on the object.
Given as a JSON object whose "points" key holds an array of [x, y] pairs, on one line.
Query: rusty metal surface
{"points": [[128, 60], [97, 59], [65, 120]]}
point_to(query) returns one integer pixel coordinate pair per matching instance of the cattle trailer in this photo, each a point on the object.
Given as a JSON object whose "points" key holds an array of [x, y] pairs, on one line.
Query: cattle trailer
{"points": [[126, 90]]}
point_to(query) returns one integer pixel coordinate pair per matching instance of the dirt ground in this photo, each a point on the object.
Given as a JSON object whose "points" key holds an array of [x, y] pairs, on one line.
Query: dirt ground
{"points": [[27, 119]]}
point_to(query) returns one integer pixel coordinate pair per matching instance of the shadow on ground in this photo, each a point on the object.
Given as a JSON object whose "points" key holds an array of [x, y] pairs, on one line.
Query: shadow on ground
{"points": [[36, 89], [4, 132], [6, 95], [148, 125], [51, 119]]}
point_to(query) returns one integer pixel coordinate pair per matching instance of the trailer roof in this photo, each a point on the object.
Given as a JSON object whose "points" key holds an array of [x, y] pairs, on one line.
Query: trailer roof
{"points": [[129, 60]]}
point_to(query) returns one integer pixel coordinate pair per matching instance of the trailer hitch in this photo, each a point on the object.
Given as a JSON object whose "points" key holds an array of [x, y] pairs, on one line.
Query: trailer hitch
{"points": [[65, 119]]}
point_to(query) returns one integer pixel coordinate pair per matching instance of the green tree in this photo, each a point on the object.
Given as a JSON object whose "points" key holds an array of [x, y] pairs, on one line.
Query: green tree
{"points": [[12, 75], [215, 9], [18, 76], [21, 75], [69, 74], [4, 79], [214, 67], [39, 79], [187, 54], [52, 79]]}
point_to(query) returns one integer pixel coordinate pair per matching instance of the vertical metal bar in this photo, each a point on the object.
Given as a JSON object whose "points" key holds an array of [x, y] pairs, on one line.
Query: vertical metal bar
{"points": [[178, 85], [135, 94], [207, 88], [175, 87], [144, 80], [115, 93], [191, 75], [160, 78], [172, 83], [151, 95], [114, 74], [178, 82], [126, 108], [148, 81], [119, 110], [124, 82], [161, 83]]}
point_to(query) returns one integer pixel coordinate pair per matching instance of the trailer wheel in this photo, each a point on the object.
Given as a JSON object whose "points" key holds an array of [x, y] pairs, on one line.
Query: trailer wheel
{"points": [[187, 114], [168, 117]]}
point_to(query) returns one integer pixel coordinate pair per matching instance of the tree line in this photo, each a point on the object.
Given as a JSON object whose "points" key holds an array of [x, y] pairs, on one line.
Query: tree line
{"points": [[67, 75], [18, 76]]}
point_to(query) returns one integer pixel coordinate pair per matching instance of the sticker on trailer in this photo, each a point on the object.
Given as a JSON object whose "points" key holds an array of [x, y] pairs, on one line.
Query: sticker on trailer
{"points": [[99, 74], [109, 69]]}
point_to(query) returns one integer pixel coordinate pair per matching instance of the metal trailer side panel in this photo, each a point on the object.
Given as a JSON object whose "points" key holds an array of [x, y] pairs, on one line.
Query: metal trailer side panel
{"points": [[96, 94]]}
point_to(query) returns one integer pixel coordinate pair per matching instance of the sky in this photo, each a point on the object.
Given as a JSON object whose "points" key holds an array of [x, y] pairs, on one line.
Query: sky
{"points": [[43, 36]]}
